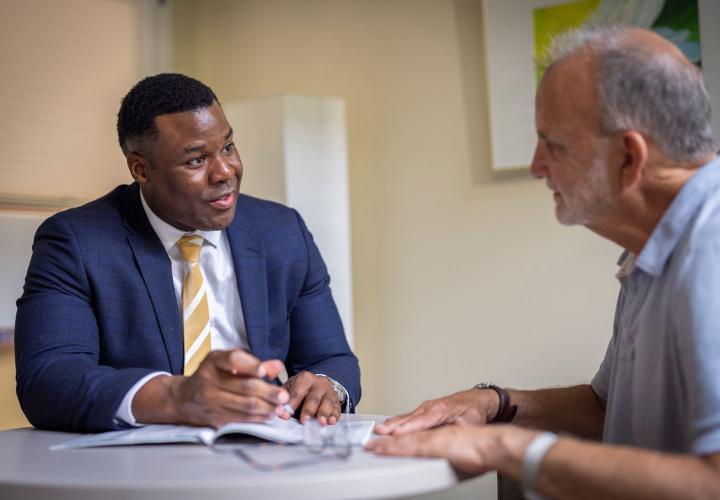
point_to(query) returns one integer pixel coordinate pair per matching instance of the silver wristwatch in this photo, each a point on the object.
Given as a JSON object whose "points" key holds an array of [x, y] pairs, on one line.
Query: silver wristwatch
{"points": [[337, 387]]}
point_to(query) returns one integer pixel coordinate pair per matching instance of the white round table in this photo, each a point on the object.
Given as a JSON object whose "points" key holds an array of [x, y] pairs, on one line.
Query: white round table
{"points": [[30, 471]]}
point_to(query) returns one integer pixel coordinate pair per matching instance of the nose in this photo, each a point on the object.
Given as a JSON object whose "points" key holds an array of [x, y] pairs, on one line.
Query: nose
{"points": [[222, 170], [538, 167]]}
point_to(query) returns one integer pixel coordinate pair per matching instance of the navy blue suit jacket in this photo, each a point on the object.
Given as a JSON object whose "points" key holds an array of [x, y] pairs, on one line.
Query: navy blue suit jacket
{"points": [[99, 311]]}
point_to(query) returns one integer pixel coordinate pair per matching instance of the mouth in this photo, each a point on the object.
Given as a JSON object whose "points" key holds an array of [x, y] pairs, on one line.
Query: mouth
{"points": [[224, 201], [551, 187]]}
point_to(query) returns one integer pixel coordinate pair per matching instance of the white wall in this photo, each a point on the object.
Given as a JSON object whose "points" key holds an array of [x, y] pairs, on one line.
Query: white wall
{"points": [[294, 151]]}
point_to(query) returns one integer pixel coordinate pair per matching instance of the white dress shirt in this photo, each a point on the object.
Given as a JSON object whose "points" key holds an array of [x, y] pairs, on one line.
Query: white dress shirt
{"points": [[227, 325]]}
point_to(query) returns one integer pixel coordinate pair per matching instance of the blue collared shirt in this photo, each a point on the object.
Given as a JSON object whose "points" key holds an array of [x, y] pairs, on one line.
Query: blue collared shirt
{"points": [[661, 372]]}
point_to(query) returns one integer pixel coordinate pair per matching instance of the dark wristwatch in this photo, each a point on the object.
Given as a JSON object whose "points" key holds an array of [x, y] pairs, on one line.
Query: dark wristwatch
{"points": [[506, 411]]}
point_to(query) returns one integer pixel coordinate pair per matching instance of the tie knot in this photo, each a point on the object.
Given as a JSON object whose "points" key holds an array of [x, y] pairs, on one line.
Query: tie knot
{"points": [[190, 246]]}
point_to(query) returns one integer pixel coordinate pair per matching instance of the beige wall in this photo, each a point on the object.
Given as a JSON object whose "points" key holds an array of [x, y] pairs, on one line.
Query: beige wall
{"points": [[458, 276]]}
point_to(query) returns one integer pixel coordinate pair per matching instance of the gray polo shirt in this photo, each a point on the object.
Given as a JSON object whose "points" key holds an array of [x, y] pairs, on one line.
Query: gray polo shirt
{"points": [[661, 372]]}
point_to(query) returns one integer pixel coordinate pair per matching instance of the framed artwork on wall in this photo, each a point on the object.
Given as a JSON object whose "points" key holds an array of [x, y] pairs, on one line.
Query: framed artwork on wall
{"points": [[516, 33]]}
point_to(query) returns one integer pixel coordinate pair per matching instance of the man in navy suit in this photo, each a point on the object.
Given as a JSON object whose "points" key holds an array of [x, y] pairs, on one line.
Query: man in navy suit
{"points": [[99, 328]]}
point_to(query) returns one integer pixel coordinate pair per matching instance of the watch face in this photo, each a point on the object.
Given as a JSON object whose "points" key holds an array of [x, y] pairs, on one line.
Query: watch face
{"points": [[340, 394]]}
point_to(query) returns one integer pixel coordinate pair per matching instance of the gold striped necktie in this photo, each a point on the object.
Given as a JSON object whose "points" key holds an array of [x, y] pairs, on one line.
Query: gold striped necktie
{"points": [[196, 315]]}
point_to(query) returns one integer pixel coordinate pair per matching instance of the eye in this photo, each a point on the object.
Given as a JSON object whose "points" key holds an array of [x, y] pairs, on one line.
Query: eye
{"points": [[197, 161], [552, 148], [229, 147]]}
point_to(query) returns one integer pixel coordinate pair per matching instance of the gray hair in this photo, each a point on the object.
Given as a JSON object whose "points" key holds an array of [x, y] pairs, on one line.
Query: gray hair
{"points": [[639, 89]]}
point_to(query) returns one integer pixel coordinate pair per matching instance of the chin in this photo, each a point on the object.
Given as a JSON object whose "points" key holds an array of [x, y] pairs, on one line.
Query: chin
{"points": [[217, 223], [564, 217]]}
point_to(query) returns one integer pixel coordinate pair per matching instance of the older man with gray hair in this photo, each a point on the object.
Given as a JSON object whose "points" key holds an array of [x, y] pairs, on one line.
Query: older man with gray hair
{"points": [[626, 147]]}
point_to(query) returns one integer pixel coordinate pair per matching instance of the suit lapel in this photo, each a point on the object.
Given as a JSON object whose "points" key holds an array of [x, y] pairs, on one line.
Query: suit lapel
{"points": [[251, 275], [156, 270]]}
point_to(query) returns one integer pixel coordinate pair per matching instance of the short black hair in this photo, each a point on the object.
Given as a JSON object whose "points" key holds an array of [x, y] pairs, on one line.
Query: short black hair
{"points": [[158, 95]]}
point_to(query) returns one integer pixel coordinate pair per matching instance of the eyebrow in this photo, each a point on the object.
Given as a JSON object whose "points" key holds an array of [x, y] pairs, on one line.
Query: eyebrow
{"points": [[196, 149]]}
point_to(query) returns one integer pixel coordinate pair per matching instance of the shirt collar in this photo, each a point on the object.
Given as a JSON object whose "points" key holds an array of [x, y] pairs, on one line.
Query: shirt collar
{"points": [[169, 235], [626, 263], [674, 222]]}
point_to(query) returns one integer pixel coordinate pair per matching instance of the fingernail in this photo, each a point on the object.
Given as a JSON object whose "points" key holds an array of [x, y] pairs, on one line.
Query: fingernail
{"points": [[262, 371], [283, 397]]}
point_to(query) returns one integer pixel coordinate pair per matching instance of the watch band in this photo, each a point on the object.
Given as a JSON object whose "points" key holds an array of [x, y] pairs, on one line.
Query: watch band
{"points": [[506, 411], [339, 390], [532, 460]]}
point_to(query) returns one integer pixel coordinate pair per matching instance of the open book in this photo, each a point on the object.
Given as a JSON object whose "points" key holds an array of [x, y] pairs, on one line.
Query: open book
{"points": [[276, 429]]}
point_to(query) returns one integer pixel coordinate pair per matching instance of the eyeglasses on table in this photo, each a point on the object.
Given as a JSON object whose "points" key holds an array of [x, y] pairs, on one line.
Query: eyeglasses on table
{"points": [[321, 443]]}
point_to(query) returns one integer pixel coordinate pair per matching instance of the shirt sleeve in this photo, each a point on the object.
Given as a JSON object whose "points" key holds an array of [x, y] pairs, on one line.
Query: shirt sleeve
{"points": [[124, 412], [601, 381]]}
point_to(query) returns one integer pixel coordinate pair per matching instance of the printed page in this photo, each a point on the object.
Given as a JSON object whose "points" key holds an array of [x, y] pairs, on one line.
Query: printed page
{"points": [[275, 429], [291, 431]]}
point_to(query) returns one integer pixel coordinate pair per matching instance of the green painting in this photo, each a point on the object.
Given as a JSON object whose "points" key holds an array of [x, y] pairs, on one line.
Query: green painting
{"points": [[676, 20]]}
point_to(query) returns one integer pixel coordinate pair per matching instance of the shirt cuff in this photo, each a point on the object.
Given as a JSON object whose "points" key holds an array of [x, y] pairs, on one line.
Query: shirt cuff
{"points": [[124, 412]]}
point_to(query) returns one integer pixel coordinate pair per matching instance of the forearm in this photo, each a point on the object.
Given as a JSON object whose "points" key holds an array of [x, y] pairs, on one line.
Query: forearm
{"points": [[575, 468], [576, 410]]}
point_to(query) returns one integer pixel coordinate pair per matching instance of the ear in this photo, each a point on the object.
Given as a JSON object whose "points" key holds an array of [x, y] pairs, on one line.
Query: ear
{"points": [[138, 167], [635, 155]]}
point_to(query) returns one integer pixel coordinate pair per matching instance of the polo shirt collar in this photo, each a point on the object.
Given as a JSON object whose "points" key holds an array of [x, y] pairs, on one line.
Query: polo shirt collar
{"points": [[674, 222], [169, 235]]}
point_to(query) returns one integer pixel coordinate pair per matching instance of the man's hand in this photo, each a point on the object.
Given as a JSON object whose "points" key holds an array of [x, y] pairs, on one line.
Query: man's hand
{"points": [[228, 386], [315, 395], [467, 407], [471, 449], [573, 468]]}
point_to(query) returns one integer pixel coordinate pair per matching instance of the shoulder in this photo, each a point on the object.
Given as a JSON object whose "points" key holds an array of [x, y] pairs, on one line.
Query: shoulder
{"points": [[707, 222], [693, 275], [100, 217], [702, 240]]}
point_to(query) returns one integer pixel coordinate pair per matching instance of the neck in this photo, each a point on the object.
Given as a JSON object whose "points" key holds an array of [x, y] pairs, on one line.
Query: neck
{"points": [[631, 221]]}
